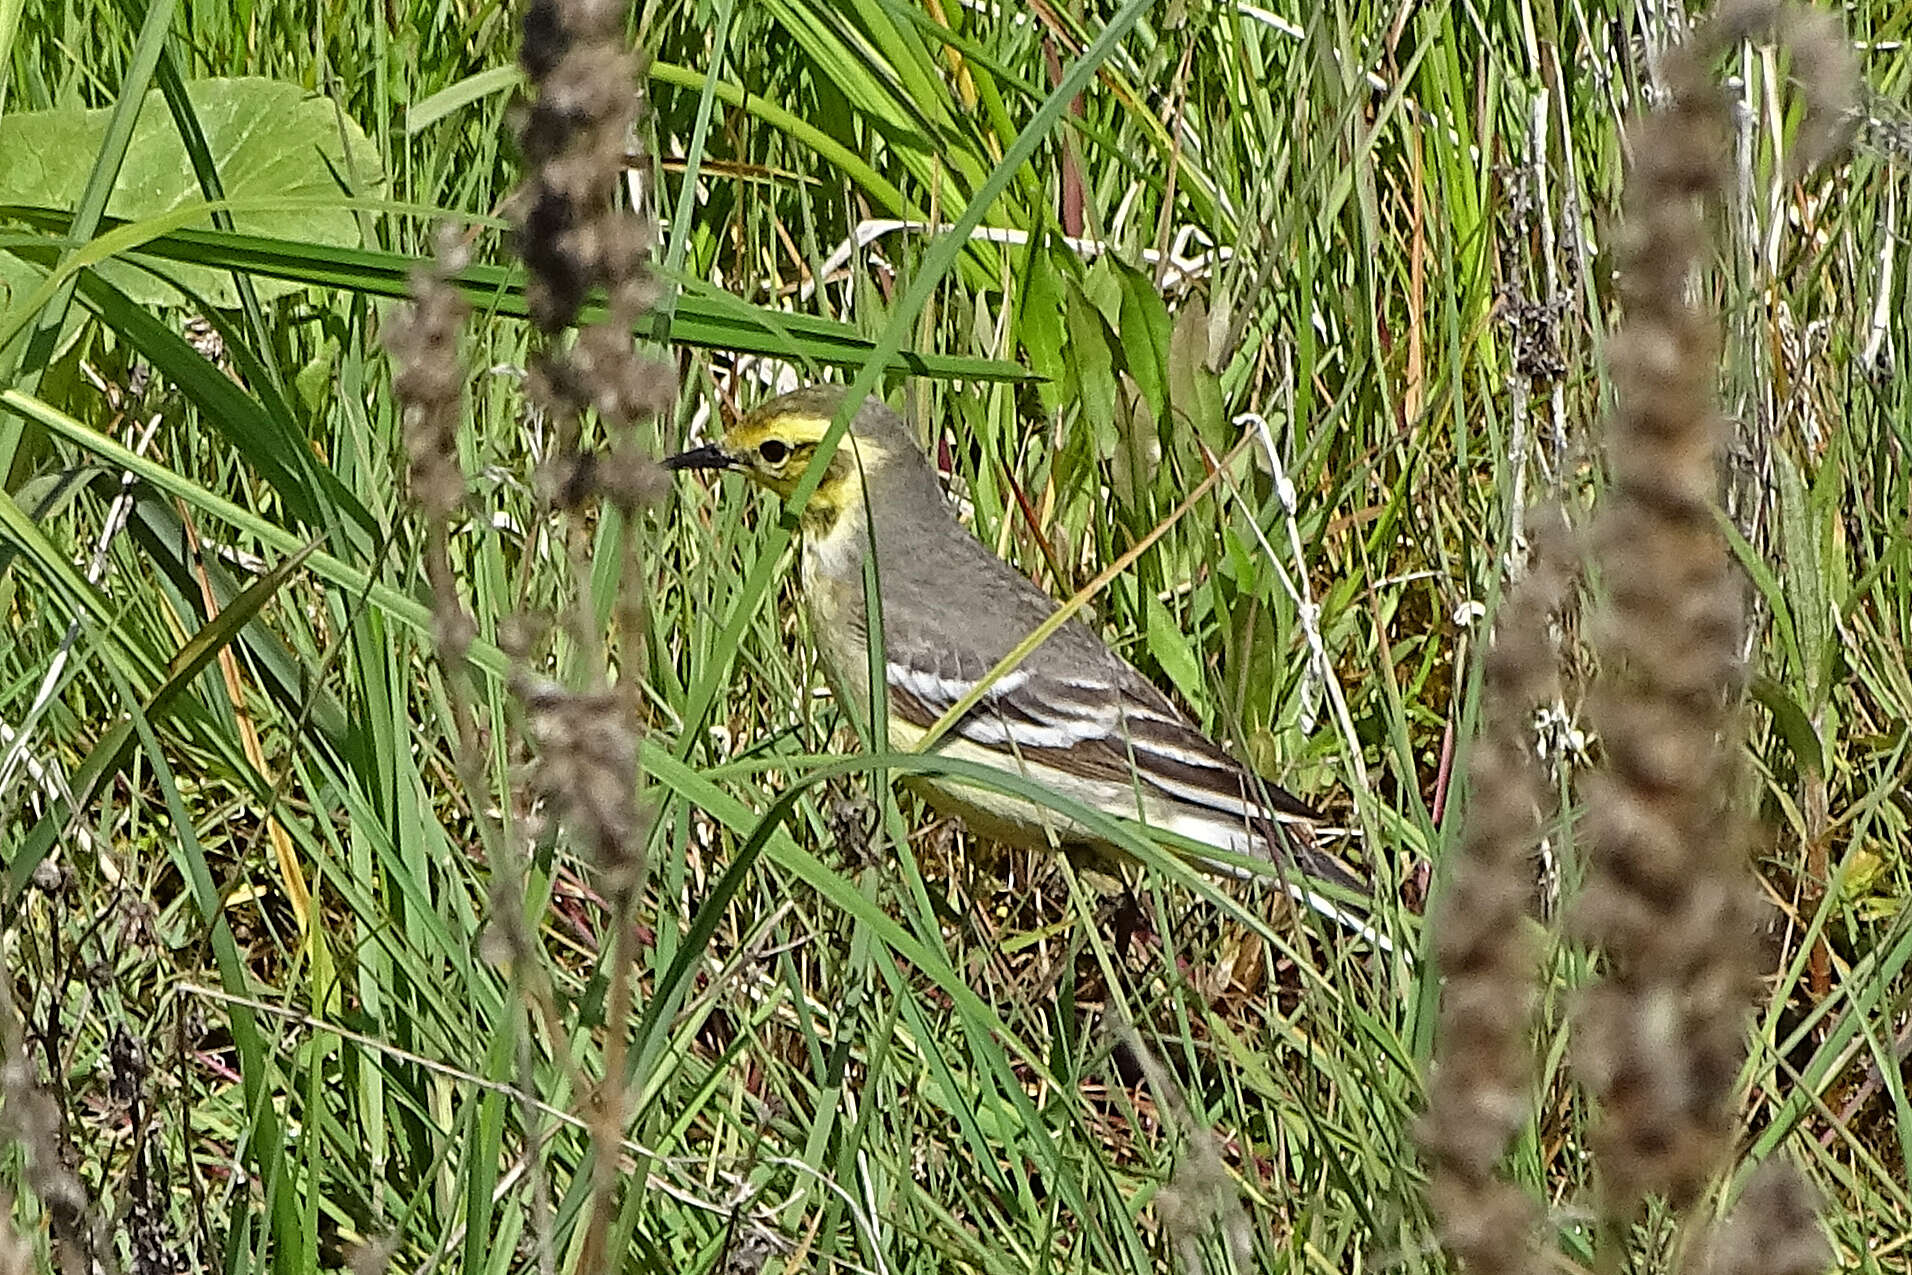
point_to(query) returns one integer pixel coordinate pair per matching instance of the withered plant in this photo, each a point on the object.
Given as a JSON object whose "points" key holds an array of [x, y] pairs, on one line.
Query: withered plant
{"points": [[1669, 903]]}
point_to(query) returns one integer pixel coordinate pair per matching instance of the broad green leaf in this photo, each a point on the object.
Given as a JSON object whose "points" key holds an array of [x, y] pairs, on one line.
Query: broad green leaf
{"points": [[1104, 289], [1138, 468], [314, 380], [1091, 351], [288, 161], [1803, 572], [1041, 323]]}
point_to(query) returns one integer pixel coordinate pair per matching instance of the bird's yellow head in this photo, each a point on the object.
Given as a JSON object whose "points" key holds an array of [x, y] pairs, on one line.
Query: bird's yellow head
{"points": [[774, 444]]}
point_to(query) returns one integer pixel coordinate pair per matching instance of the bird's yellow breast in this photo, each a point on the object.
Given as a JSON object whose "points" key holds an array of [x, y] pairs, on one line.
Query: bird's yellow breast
{"points": [[830, 573]]}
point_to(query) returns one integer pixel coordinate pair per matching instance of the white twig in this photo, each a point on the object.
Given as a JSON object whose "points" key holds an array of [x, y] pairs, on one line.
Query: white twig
{"points": [[1183, 264], [1320, 669], [116, 517], [1878, 354]]}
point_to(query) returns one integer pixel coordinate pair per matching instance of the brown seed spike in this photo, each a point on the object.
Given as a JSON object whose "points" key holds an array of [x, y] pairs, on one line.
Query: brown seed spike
{"points": [[1669, 900]]}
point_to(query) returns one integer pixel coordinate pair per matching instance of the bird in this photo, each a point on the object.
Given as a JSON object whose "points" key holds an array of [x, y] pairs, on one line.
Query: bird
{"points": [[1072, 715]]}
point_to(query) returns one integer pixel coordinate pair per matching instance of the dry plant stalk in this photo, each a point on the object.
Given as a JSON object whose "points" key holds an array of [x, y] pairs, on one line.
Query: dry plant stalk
{"points": [[1670, 901], [428, 382], [1201, 1197], [31, 1120], [16, 1255], [577, 135], [1484, 934]]}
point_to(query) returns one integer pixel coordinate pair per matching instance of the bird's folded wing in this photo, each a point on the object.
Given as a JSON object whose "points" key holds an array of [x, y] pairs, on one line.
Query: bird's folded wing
{"points": [[1095, 718]]}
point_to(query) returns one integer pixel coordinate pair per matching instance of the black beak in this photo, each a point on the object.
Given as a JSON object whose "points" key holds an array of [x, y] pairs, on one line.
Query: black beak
{"points": [[709, 456]]}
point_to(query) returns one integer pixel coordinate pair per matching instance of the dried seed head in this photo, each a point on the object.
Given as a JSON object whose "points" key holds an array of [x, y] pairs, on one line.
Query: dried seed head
{"points": [[1669, 899], [429, 383], [1483, 935], [587, 761], [579, 135], [1773, 1230]]}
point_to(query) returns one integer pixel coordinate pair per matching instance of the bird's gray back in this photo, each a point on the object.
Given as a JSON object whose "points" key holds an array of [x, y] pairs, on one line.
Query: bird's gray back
{"points": [[922, 548]]}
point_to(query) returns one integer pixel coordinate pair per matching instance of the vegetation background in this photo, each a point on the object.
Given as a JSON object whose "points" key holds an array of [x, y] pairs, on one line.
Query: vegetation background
{"points": [[245, 911]]}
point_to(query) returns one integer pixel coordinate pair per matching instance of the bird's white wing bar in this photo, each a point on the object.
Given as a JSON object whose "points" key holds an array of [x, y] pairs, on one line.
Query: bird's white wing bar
{"points": [[1117, 730], [1120, 736], [1172, 755], [1011, 714], [934, 689], [1020, 736]]}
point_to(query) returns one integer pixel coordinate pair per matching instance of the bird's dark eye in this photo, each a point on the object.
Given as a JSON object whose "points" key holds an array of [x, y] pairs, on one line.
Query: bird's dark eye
{"points": [[774, 451]]}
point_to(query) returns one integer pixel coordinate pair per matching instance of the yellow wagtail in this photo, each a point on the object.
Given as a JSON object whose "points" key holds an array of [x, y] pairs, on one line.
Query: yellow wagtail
{"points": [[1072, 715]]}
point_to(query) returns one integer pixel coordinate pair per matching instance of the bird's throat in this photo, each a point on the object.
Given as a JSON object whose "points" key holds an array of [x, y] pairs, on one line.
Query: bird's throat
{"points": [[835, 533]]}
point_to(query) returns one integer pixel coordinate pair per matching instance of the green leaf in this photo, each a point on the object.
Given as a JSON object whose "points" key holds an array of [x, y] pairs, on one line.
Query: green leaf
{"points": [[1145, 328], [288, 161], [1792, 723], [1802, 572], [1040, 323], [454, 97], [314, 380], [1194, 390], [1091, 352], [1104, 289], [1171, 649]]}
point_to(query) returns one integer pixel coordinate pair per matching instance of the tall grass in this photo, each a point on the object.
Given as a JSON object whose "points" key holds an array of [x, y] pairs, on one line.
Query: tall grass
{"points": [[246, 901]]}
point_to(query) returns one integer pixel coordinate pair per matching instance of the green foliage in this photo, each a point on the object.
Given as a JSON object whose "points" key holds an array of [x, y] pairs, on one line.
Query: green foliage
{"points": [[886, 1049], [284, 159]]}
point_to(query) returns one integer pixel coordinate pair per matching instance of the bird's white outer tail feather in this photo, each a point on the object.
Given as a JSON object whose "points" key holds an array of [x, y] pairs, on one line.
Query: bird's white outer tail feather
{"points": [[1249, 844]]}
